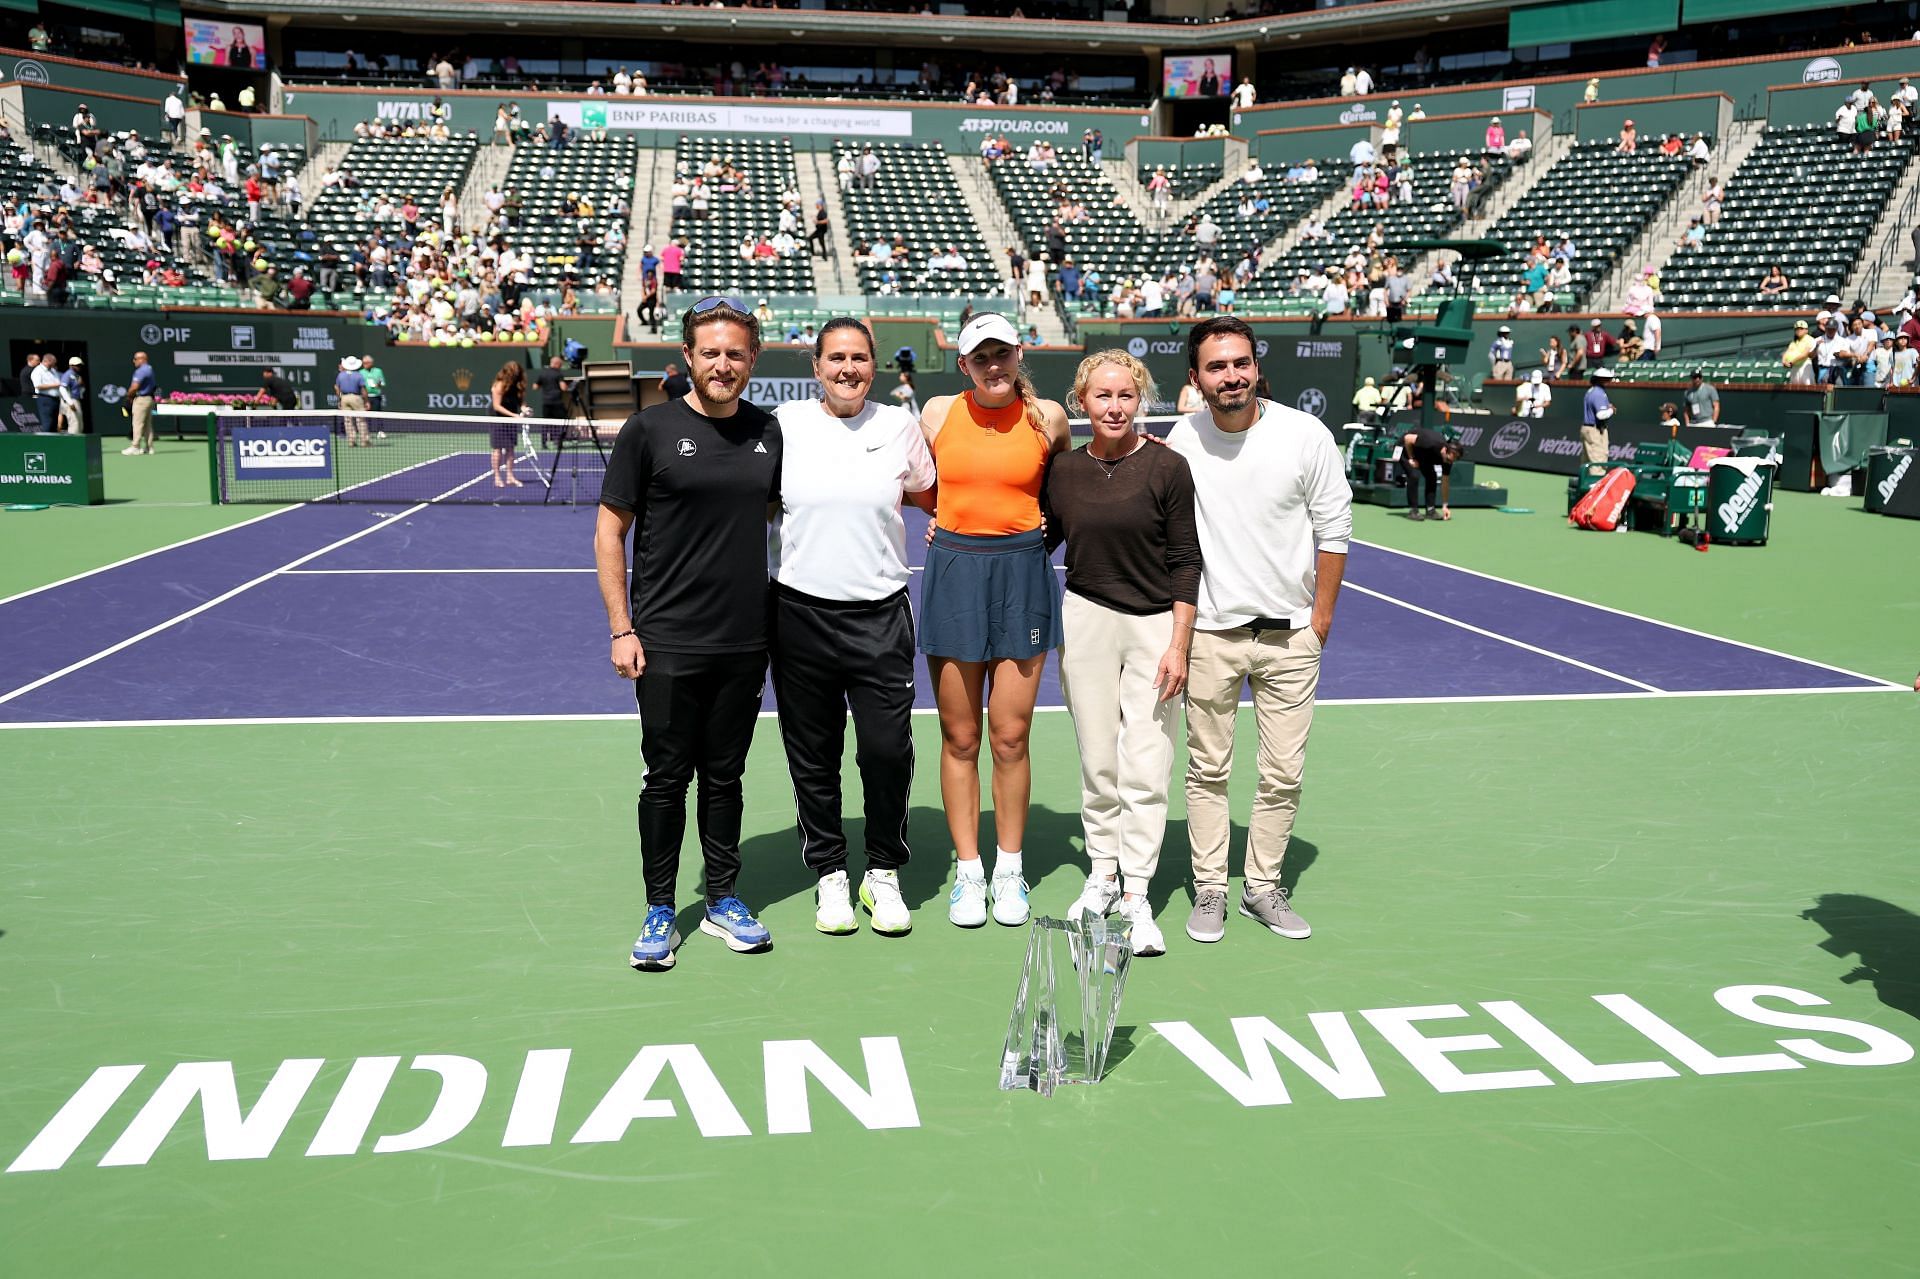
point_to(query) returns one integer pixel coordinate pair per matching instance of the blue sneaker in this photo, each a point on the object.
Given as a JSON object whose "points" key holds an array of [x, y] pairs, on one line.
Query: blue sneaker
{"points": [[653, 949], [731, 921]]}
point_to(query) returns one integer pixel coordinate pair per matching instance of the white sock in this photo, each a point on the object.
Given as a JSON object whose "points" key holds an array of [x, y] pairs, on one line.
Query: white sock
{"points": [[1004, 862], [972, 870]]}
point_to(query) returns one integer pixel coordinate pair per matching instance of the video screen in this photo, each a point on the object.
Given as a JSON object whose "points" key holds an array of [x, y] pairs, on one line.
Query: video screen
{"points": [[216, 43], [1201, 75]]}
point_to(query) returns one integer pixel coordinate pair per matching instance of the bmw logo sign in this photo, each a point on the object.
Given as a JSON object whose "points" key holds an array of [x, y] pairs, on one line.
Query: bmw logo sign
{"points": [[1312, 401]]}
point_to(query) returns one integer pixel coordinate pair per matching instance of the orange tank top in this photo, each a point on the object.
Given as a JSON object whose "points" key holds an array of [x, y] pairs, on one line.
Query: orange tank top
{"points": [[991, 462]]}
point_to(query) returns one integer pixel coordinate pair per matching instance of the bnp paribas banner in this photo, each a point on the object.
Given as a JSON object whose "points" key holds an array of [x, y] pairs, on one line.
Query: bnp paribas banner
{"points": [[23, 67], [960, 128]]}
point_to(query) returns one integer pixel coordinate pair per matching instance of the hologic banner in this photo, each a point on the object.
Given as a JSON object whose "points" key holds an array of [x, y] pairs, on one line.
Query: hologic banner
{"points": [[715, 117], [282, 452]]}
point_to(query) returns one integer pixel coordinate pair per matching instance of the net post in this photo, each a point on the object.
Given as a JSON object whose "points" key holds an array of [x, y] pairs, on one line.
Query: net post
{"points": [[213, 457]]}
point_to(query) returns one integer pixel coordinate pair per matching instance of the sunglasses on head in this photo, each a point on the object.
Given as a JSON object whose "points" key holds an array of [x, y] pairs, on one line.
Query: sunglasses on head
{"points": [[707, 304]]}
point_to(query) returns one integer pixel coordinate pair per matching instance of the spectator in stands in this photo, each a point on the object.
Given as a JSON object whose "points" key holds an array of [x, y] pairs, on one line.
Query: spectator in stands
{"points": [[1496, 137], [1699, 152], [1500, 354], [1460, 184], [1905, 361], [1695, 236], [1553, 358], [1243, 94], [1775, 283], [38, 38], [1702, 400], [1519, 147], [1861, 345], [1629, 138], [1651, 335], [1600, 345], [1800, 356], [868, 168], [86, 129], [1348, 82], [1531, 397], [1670, 144], [299, 291]]}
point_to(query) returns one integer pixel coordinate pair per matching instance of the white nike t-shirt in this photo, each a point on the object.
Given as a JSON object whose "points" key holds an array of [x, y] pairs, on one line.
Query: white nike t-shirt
{"points": [[840, 534]]}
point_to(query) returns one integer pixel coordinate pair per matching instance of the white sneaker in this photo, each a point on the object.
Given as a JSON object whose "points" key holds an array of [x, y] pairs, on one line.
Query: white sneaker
{"points": [[1145, 935], [967, 903], [1009, 899], [880, 894], [1096, 899], [129, 452], [834, 913]]}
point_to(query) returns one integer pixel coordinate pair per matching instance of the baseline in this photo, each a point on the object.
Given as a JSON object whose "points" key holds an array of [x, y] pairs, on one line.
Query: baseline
{"points": [[195, 611]]}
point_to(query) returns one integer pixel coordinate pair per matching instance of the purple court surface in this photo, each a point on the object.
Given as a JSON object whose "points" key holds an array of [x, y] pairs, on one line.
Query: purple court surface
{"points": [[370, 611]]}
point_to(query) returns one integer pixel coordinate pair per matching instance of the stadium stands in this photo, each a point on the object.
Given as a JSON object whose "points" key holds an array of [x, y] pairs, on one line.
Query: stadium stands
{"points": [[914, 197], [733, 191], [1596, 195], [1769, 218], [1069, 203], [1184, 179], [551, 184], [1429, 213]]}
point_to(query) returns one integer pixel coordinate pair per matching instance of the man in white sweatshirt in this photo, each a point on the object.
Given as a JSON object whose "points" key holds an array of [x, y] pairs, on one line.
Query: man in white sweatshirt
{"points": [[1274, 513]]}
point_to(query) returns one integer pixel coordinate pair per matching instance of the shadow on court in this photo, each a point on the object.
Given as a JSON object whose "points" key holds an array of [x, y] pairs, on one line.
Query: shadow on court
{"points": [[772, 869], [1884, 937]]}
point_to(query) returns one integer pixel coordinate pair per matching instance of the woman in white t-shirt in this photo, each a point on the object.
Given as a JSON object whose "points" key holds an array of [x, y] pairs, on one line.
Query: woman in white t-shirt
{"points": [[841, 625]]}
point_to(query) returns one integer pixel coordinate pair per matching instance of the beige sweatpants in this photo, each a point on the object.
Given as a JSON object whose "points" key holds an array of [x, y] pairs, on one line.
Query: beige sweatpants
{"points": [[1284, 667], [1107, 665], [1594, 444]]}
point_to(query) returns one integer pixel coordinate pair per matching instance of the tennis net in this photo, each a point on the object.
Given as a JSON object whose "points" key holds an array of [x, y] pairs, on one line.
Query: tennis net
{"points": [[332, 456]]}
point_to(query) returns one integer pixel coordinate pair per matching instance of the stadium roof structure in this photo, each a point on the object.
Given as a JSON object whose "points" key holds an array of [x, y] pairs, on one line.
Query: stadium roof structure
{"points": [[1382, 19]]}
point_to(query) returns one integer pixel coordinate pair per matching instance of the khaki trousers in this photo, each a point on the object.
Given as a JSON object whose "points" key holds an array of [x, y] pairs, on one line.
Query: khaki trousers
{"points": [[142, 421], [1107, 665], [1284, 667], [1594, 442]]}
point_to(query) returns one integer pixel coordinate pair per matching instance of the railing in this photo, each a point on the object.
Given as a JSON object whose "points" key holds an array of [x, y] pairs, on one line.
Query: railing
{"points": [[1890, 249]]}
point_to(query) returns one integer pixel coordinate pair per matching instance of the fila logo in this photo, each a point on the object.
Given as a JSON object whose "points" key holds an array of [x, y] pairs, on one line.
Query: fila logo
{"points": [[759, 447]]}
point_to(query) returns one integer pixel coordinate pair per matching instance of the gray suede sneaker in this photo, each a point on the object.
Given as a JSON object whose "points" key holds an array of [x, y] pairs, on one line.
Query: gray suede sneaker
{"points": [[1274, 910], [1208, 922]]}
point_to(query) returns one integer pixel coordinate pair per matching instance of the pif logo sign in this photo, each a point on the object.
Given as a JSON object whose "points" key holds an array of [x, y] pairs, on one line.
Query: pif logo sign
{"points": [[282, 453]]}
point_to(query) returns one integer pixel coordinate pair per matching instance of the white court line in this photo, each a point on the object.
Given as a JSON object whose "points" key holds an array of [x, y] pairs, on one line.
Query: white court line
{"points": [[201, 537], [1504, 639], [629, 716], [417, 572], [131, 559], [1638, 617], [222, 598]]}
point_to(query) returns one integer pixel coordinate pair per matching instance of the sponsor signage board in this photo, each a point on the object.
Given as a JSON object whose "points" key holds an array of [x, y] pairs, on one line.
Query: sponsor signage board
{"points": [[282, 452], [45, 470]]}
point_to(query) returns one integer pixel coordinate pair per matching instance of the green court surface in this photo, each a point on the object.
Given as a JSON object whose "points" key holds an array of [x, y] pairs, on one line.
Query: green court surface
{"points": [[456, 896]]}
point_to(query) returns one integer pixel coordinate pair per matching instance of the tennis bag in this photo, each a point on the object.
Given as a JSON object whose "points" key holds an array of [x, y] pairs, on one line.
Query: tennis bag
{"points": [[1600, 509]]}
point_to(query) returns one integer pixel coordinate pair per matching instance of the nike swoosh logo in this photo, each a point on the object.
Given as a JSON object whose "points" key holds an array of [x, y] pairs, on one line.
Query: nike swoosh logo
{"points": [[875, 448]]}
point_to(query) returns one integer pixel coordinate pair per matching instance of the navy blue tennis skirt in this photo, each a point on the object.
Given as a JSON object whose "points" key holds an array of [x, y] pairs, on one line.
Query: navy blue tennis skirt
{"points": [[986, 598]]}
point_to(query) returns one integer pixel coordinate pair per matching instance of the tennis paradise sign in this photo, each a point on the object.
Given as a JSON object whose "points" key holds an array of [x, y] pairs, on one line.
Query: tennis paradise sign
{"points": [[1257, 1061], [282, 452]]}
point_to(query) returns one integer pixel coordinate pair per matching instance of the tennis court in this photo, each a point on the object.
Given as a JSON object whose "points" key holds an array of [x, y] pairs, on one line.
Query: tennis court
{"points": [[321, 874]]}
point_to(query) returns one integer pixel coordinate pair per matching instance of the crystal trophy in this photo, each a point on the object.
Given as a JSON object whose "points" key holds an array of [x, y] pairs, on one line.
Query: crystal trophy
{"points": [[1069, 999]]}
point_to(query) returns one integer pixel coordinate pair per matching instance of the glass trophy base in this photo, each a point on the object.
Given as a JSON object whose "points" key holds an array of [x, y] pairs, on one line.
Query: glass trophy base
{"points": [[1067, 1005]]}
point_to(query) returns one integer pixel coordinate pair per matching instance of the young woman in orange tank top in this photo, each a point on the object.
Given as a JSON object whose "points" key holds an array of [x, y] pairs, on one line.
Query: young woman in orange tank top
{"points": [[989, 604]]}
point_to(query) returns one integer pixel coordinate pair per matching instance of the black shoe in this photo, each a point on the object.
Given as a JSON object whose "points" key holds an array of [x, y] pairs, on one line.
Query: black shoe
{"points": [[1433, 512], [1415, 513]]}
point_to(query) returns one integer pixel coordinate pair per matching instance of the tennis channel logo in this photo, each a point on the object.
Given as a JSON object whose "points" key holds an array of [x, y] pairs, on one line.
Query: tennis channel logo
{"points": [[282, 452]]}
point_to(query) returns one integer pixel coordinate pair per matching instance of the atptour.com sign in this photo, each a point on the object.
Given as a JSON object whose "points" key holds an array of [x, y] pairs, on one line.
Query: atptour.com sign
{"points": [[123, 1115], [999, 124]]}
